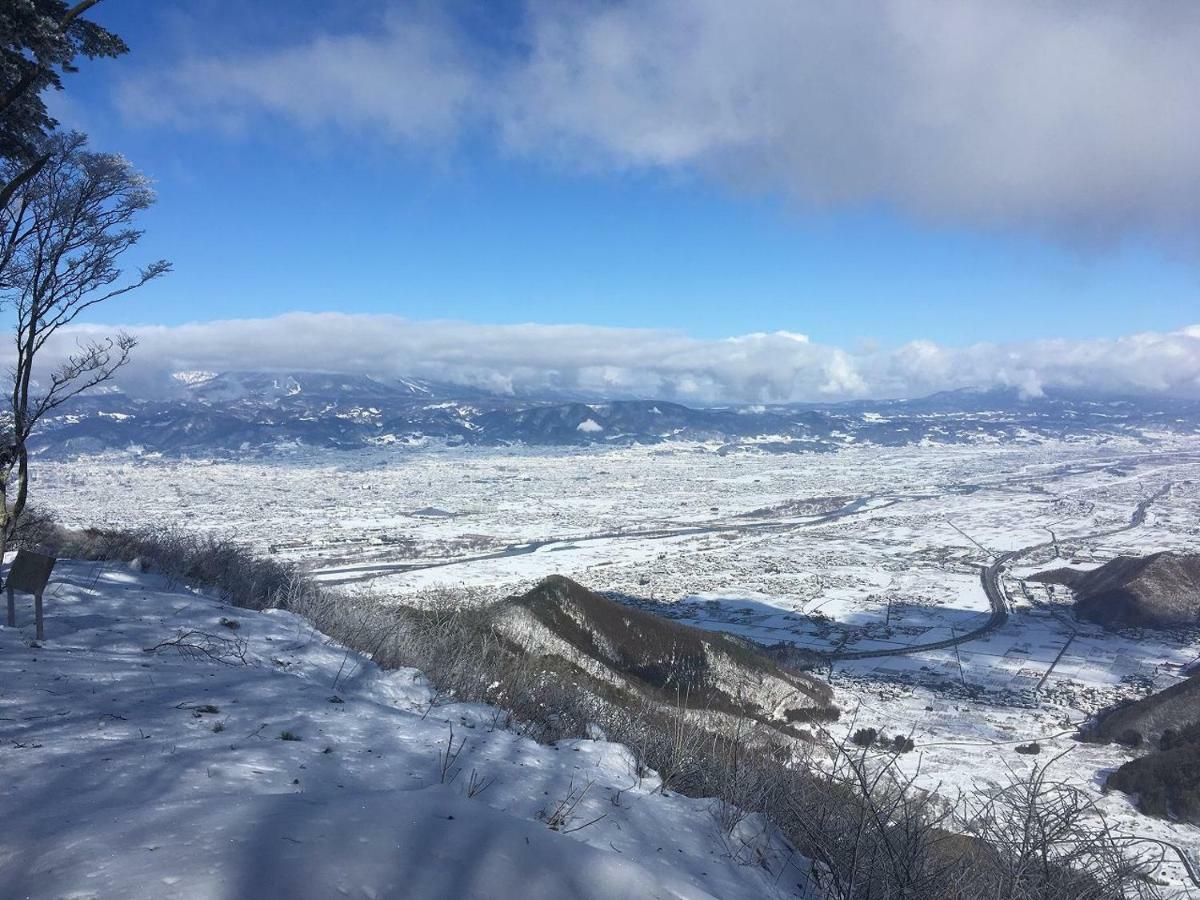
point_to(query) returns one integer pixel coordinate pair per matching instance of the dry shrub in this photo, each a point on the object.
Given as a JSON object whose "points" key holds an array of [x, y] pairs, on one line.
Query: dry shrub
{"points": [[237, 574]]}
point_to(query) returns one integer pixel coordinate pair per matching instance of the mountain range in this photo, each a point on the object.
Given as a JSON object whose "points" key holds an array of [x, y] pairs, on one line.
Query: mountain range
{"points": [[231, 413]]}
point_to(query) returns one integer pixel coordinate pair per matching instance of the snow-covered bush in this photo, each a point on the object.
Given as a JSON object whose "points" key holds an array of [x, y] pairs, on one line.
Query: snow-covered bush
{"points": [[238, 575]]}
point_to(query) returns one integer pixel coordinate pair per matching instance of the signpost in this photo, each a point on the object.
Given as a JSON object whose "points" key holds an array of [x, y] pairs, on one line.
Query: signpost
{"points": [[28, 574]]}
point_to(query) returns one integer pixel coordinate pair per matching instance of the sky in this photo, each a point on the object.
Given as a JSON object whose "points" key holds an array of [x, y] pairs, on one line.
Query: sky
{"points": [[772, 200]]}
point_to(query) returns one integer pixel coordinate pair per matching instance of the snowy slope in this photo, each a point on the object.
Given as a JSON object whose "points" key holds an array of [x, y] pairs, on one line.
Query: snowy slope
{"points": [[120, 781]]}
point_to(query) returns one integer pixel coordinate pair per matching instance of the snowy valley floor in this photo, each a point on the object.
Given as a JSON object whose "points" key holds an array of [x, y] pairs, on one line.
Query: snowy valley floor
{"points": [[135, 774], [868, 548]]}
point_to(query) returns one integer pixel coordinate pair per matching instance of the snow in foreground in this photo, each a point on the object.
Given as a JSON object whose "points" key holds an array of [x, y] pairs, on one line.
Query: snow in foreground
{"points": [[120, 779]]}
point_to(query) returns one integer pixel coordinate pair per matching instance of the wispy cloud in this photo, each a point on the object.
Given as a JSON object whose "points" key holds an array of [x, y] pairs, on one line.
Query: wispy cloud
{"points": [[774, 367], [411, 81], [1075, 119]]}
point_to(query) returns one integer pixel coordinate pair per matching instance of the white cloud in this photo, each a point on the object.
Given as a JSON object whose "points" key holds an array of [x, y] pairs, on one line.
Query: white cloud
{"points": [[411, 81], [1076, 119], [758, 368]]}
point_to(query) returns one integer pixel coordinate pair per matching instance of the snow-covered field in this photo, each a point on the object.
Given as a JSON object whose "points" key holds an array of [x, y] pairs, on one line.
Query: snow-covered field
{"points": [[306, 772], [870, 548]]}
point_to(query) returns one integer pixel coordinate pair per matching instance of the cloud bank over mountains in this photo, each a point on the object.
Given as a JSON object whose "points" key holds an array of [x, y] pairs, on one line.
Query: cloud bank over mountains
{"points": [[617, 362], [1075, 120]]}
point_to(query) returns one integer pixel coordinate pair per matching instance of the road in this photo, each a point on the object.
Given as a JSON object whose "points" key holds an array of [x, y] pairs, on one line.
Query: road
{"points": [[991, 579]]}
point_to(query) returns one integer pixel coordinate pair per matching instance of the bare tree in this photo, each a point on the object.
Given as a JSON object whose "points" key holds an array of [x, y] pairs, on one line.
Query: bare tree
{"points": [[63, 232], [1049, 838], [872, 834]]}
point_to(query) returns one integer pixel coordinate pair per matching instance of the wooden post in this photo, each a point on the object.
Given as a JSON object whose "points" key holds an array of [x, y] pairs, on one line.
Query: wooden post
{"points": [[28, 574]]}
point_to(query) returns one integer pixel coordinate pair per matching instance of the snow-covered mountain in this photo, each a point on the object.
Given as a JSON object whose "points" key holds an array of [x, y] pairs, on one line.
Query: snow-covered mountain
{"points": [[204, 413], [290, 767]]}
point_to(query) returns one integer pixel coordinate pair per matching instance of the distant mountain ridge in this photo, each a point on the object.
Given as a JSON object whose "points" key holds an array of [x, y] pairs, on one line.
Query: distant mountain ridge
{"points": [[230, 413]]}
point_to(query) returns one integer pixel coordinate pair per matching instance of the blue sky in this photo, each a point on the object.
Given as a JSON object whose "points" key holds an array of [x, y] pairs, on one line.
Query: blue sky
{"points": [[263, 223], [534, 163]]}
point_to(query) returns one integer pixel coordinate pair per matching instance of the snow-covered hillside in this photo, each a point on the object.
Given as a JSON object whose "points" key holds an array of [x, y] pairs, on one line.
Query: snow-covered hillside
{"points": [[308, 772]]}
